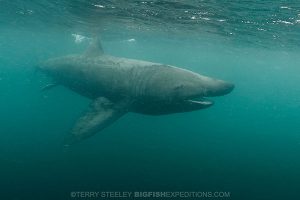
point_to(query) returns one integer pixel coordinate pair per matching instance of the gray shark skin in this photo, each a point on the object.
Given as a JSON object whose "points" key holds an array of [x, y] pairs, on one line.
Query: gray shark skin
{"points": [[120, 85]]}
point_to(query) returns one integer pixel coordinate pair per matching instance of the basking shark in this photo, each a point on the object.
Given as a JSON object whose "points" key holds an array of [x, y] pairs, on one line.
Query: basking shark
{"points": [[118, 85]]}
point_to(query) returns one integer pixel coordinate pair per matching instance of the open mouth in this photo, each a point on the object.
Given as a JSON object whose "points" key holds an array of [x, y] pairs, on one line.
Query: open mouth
{"points": [[201, 101]]}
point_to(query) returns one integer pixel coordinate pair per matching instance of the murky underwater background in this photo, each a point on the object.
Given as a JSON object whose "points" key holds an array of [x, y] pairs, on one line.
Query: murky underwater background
{"points": [[247, 144]]}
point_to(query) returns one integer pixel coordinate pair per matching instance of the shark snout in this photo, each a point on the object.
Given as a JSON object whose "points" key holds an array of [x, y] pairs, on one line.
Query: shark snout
{"points": [[226, 88], [219, 88]]}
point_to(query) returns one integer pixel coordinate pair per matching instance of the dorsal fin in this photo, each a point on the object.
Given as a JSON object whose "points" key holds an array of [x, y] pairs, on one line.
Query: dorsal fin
{"points": [[95, 48]]}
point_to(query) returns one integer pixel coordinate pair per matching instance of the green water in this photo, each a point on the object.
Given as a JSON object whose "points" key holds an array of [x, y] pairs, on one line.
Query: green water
{"points": [[247, 144]]}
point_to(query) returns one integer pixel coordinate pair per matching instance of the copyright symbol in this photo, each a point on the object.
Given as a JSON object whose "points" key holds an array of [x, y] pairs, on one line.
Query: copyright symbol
{"points": [[73, 194]]}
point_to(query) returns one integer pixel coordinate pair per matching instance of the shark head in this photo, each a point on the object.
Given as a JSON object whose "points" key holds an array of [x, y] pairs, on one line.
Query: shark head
{"points": [[195, 93], [191, 87], [185, 90]]}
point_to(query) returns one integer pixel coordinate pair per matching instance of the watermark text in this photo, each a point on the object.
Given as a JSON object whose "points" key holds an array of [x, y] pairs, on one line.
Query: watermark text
{"points": [[148, 194]]}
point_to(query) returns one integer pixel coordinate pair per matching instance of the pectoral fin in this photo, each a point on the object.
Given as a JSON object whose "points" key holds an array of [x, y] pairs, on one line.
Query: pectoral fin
{"points": [[101, 113]]}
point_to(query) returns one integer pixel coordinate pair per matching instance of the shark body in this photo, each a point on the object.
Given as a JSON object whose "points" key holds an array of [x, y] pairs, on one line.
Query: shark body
{"points": [[120, 85]]}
